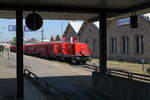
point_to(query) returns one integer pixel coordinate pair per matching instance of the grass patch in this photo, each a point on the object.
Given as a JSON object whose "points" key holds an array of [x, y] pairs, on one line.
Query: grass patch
{"points": [[128, 66]]}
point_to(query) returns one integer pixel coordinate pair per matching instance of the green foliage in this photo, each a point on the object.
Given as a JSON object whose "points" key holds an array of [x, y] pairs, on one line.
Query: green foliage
{"points": [[13, 42], [148, 70]]}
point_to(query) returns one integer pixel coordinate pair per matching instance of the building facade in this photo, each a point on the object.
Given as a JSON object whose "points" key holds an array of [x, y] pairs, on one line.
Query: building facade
{"points": [[89, 33], [71, 31], [55, 38], [58, 38], [129, 44], [123, 43], [52, 38]]}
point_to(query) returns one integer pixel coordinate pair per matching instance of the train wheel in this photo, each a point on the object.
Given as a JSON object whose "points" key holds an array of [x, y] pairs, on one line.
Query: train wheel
{"points": [[84, 62], [73, 61], [57, 58]]}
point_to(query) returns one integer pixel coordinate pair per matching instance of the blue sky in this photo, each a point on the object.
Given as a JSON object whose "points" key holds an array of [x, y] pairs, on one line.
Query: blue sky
{"points": [[51, 27]]}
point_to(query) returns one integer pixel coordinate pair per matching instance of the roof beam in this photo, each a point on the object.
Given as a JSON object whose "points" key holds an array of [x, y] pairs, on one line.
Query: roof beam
{"points": [[138, 7], [58, 8]]}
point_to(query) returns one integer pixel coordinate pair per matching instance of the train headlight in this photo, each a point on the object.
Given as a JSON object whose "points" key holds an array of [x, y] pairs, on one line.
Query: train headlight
{"points": [[89, 58], [82, 52], [78, 58]]}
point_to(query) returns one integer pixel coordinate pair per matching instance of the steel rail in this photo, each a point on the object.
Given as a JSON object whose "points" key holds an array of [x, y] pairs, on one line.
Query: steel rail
{"points": [[121, 73]]}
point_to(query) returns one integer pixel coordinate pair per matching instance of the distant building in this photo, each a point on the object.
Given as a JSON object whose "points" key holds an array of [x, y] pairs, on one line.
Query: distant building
{"points": [[57, 38], [44, 40], [52, 38], [72, 31], [32, 40], [129, 44], [89, 33], [123, 42]]}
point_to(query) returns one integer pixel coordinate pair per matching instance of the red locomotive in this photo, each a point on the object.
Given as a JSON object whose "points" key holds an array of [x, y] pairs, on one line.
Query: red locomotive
{"points": [[72, 52], [13, 48]]}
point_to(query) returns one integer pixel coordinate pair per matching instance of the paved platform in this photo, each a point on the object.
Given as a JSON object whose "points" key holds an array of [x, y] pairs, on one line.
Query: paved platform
{"points": [[7, 77], [71, 80]]}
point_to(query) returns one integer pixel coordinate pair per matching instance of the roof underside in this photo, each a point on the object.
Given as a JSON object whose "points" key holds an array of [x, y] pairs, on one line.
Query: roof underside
{"points": [[109, 4], [76, 9]]}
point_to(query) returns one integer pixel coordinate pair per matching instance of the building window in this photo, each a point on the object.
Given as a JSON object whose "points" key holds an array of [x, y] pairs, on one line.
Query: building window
{"points": [[90, 30], [86, 41], [94, 45], [125, 44], [113, 45], [139, 44]]}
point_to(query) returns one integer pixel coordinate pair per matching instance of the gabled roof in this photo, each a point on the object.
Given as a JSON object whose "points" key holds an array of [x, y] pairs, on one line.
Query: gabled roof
{"points": [[52, 38], [96, 24], [76, 25], [69, 28], [147, 16], [32, 40], [84, 25], [57, 38]]}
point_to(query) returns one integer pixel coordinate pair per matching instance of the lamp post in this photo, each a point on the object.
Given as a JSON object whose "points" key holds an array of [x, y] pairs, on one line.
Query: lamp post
{"points": [[42, 33], [1, 46], [62, 31], [8, 43]]}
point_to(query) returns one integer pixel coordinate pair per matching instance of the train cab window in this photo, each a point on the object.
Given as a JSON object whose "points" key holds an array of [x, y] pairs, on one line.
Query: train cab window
{"points": [[86, 41]]}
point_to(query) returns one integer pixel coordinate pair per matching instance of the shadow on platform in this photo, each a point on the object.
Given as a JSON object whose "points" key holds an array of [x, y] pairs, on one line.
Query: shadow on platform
{"points": [[74, 87], [7, 87], [71, 83]]}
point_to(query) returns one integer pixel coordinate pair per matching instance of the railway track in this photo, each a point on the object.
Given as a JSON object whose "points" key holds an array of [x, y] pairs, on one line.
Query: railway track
{"points": [[119, 72], [114, 71], [89, 66]]}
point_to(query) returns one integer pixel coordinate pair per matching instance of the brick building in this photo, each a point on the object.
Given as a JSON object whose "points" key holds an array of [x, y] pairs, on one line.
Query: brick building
{"points": [[52, 38], [89, 33], [55, 38], [72, 30], [123, 42]]}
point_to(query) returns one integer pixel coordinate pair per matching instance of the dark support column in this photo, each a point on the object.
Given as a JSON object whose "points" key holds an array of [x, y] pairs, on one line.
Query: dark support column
{"points": [[102, 42], [19, 37]]}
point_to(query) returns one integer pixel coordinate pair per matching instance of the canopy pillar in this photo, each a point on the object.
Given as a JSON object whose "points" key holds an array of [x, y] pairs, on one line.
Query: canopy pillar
{"points": [[19, 38], [102, 42]]}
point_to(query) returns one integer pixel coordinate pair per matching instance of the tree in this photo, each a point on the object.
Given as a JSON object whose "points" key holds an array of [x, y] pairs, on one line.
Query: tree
{"points": [[13, 41]]}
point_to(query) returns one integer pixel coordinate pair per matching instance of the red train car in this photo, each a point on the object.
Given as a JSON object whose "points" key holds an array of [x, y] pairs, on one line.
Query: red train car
{"points": [[72, 52], [80, 52], [13, 48]]}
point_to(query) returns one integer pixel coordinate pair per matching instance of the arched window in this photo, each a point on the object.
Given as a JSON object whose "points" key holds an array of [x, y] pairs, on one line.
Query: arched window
{"points": [[113, 45], [139, 44], [125, 44], [94, 45]]}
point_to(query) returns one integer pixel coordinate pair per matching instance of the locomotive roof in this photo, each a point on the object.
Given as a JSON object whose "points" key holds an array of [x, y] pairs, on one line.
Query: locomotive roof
{"points": [[53, 42]]}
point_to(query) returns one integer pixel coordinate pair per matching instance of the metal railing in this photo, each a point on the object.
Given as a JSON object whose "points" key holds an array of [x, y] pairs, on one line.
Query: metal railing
{"points": [[121, 73], [129, 75], [44, 83]]}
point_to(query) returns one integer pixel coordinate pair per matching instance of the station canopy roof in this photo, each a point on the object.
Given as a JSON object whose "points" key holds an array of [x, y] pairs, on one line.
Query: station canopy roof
{"points": [[76, 9]]}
